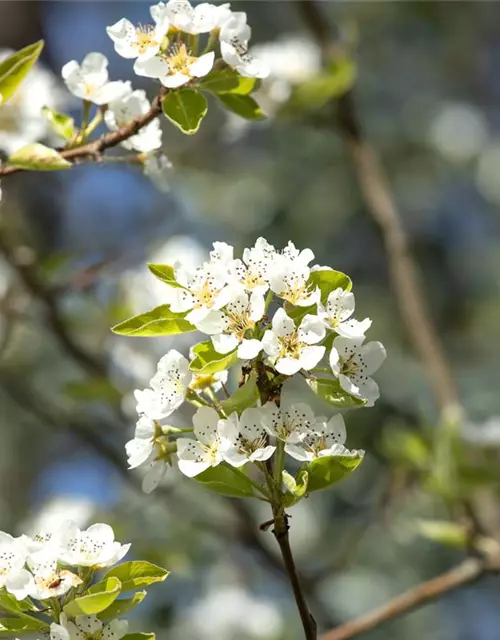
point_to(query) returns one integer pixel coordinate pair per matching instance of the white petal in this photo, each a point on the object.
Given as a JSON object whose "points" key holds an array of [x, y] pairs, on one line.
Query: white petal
{"points": [[262, 454], [233, 457], [298, 452], [70, 69], [20, 584], [224, 343], [154, 476], [270, 343], [88, 624], [197, 315], [334, 361], [152, 67], [202, 65], [115, 630], [229, 428], [353, 328], [257, 306], [191, 468], [282, 324], [312, 329], [347, 347], [94, 62], [373, 355], [205, 422], [111, 91], [310, 357], [249, 349], [58, 632], [336, 428], [175, 80], [289, 366]]}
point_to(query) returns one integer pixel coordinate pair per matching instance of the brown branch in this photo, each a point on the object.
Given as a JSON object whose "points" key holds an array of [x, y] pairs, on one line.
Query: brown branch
{"points": [[465, 573], [94, 150]]}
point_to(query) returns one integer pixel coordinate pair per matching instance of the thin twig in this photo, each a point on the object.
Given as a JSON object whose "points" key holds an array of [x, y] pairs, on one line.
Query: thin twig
{"points": [[94, 150], [465, 573]]}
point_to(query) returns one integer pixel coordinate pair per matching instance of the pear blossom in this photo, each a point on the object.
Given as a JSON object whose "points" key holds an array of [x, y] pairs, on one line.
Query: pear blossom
{"points": [[289, 279], [176, 67], [234, 36], [253, 272], [94, 547], [353, 362], [203, 289], [127, 108], [289, 422], [196, 456], [323, 438], [13, 553], [337, 311], [146, 449], [244, 438], [229, 326], [222, 253], [45, 579], [172, 379], [87, 628], [143, 41], [292, 348], [89, 81], [202, 18]]}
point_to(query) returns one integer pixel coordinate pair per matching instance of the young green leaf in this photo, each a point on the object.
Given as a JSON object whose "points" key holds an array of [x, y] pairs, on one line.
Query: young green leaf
{"points": [[122, 605], [450, 534], [328, 280], [329, 389], [207, 360], [227, 81], [139, 636], [136, 574], [323, 472], [14, 69], [157, 322], [10, 627], [98, 598], [38, 157], [10, 604], [61, 124], [186, 109], [223, 480], [296, 487], [165, 273], [244, 397], [242, 105]]}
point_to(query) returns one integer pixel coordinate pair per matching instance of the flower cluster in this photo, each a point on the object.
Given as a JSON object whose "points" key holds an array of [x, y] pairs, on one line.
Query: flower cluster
{"points": [[38, 567], [231, 300]]}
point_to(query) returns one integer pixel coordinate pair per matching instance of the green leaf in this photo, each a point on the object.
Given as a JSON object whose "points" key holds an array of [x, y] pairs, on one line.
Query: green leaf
{"points": [[227, 81], [323, 472], [38, 157], [332, 83], [207, 360], [242, 105], [9, 603], [61, 124], [14, 69], [139, 636], [157, 322], [21, 626], [165, 273], [136, 574], [98, 598], [328, 280], [186, 109], [329, 389], [121, 606], [450, 534], [297, 487], [223, 480], [244, 397]]}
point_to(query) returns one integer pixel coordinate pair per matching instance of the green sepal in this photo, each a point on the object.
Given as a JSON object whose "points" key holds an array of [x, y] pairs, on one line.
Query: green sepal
{"points": [[98, 598], [157, 322], [38, 157], [221, 479], [243, 106], [324, 472], [14, 69], [244, 397], [296, 487], [330, 391], [227, 81]]}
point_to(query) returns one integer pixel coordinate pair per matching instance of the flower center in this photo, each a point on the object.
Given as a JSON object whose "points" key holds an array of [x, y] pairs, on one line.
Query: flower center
{"points": [[350, 367], [248, 447], [212, 451], [179, 60], [205, 295], [145, 38], [238, 324], [290, 346]]}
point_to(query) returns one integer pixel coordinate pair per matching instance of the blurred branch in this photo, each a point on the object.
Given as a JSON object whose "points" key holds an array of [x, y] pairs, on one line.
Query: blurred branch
{"points": [[93, 150], [465, 573], [380, 205]]}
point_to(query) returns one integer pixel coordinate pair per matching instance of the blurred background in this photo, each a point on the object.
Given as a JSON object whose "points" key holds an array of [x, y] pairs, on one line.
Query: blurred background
{"points": [[73, 248]]}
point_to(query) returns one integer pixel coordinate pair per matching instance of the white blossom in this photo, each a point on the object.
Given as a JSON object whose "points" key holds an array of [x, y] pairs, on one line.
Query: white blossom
{"points": [[222, 253], [229, 326], [129, 107], [323, 438], [198, 455], [146, 449], [234, 36], [172, 379], [289, 277], [244, 438], [177, 67], [253, 272], [353, 362], [337, 311], [45, 579], [94, 547], [87, 628], [203, 289], [13, 553], [90, 80], [289, 422], [202, 18], [143, 41], [292, 348]]}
